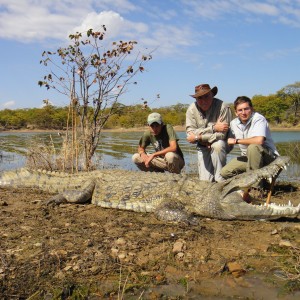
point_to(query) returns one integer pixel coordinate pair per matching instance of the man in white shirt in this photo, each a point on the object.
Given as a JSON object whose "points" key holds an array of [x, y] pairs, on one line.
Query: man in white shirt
{"points": [[250, 130]]}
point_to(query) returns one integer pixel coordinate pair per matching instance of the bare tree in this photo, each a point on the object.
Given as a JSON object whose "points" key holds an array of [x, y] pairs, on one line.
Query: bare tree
{"points": [[93, 78]]}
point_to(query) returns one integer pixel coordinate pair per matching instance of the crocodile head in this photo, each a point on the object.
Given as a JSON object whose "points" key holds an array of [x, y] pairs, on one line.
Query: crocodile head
{"points": [[234, 207]]}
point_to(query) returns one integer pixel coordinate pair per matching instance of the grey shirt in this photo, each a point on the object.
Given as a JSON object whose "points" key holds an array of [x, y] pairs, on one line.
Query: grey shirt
{"points": [[200, 122]]}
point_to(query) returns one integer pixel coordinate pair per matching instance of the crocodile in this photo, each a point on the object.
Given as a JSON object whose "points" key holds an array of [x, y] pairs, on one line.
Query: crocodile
{"points": [[172, 197]]}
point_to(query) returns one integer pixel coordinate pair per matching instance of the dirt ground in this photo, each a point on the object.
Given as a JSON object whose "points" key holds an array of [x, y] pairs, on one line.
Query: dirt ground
{"points": [[87, 252]]}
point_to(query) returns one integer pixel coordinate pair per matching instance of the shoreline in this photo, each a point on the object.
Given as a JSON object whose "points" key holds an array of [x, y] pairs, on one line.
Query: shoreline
{"points": [[137, 129]]}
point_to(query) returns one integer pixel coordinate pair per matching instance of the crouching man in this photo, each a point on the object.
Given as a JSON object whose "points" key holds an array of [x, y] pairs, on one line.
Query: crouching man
{"points": [[167, 155]]}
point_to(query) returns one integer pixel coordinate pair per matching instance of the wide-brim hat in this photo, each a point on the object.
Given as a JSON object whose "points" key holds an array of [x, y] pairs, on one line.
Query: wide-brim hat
{"points": [[154, 118], [203, 89]]}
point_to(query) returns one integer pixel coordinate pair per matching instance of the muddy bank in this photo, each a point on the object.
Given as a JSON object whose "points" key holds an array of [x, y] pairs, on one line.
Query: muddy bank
{"points": [[141, 129], [87, 252]]}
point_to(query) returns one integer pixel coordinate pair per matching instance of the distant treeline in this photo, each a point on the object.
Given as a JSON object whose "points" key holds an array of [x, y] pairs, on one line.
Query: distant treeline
{"points": [[278, 110]]}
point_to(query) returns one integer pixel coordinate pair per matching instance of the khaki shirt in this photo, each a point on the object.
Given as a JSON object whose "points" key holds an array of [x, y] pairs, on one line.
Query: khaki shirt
{"points": [[202, 123]]}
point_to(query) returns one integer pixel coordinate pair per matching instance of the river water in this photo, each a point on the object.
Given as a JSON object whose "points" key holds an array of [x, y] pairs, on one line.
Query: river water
{"points": [[116, 149]]}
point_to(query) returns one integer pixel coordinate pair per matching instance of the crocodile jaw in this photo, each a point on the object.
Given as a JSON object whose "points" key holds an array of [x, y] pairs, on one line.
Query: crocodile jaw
{"points": [[246, 180], [235, 208]]}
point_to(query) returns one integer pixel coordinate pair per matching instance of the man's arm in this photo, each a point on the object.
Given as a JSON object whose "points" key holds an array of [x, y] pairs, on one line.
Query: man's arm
{"points": [[259, 140], [213, 132], [194, 128], [258, 134], [163, 152], [221, 127], [143, 143]]}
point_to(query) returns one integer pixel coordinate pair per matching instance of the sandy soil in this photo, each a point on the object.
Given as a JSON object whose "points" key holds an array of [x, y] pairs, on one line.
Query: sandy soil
{"points": [[87, 252]]}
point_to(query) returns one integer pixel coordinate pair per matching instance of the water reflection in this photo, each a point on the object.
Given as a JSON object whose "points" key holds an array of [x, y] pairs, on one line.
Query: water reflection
{"points": [[116, 149]]}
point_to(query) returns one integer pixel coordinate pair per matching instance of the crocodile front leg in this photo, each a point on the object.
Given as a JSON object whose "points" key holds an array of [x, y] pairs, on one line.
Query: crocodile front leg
{"points": [[81, 195], [173, 211]]}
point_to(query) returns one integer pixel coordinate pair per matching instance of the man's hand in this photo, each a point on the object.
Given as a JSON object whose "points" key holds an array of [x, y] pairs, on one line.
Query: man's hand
{"points": [[221, 126], [148, 159], [191, 138], [231, 141]]}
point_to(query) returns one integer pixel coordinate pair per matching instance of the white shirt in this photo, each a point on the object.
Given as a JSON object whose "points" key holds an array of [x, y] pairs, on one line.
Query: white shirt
{"points": [[257, 125]]}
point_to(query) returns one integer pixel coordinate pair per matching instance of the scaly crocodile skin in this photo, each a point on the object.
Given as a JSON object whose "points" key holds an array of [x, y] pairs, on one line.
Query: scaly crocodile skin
{"points": [[169, 196]]}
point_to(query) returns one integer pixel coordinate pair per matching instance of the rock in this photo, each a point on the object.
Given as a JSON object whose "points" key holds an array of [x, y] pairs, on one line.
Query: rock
{"points": [[145, 273], [59, 275], [59, 252], [180, 255], [285, 243], [252, 252], [235, 269], [114, 252], [89, 243], [67, 268], [95, 269], [76, 268], [179, 246], [155, 235], [120, 242], [122, 256]]}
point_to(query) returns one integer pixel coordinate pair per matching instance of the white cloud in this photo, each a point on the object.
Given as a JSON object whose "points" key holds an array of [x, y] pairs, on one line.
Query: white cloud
{"points": [[32, 20], [164, 39], [8, 104], [27, 21], [217, 66], [279, 10], [168, 30], [120, 5], [280, 53], [37, 20], [114, 23], [260, 8], [207, 9], [172, 40]]}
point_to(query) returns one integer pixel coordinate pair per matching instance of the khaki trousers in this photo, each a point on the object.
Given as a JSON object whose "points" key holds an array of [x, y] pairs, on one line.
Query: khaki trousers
{"points": [[171, 162], [211, 161], [257, 157]]}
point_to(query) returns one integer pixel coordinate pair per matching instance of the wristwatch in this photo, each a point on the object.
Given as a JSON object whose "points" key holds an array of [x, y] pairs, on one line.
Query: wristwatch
{"points": [[237, 141]]}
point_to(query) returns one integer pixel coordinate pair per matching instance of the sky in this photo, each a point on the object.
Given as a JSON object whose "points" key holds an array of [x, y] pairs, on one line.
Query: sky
{"points": [[242, 47]]}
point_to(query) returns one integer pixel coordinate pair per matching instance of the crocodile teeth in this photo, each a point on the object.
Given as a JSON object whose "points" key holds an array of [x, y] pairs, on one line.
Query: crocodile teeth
{"points": [[281, 205], [285, 167], [270, 179]]}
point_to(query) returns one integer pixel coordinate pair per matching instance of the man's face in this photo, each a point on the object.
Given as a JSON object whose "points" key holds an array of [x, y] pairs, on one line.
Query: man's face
{"points": [[205, 101], [155, 128], [243, 112]]}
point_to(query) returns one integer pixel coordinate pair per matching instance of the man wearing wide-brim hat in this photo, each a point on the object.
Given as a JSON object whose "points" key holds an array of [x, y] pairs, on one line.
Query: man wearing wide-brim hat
{"points": [[207, 124]]}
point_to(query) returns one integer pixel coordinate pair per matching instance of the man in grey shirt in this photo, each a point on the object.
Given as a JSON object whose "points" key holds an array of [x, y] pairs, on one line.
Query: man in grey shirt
{"points": [[207, 124]]}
